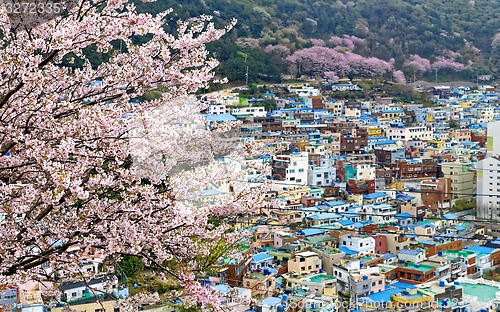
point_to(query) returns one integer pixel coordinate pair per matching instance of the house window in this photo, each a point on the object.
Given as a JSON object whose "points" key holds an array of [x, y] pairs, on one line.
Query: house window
{"points": [[73, 294]]}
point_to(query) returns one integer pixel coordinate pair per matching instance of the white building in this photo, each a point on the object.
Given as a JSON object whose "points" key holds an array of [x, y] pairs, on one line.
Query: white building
{"points": [[261, 261], [488, 188], [216, 109], [411, 255], [255, 111], [304, 91], [321, 176], [409, 133], [485, 113], [291, 168], [380, 213], [78, 290], [362, 244], [365, 172], [488, 177]]}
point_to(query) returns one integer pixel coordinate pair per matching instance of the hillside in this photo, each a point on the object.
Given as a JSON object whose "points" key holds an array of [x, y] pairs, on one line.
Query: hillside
{"points": [[268, 31]]}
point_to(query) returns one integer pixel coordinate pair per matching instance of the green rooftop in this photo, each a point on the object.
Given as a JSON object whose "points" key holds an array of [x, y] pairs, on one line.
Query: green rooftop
{"points": [[321, 277], [269, 248], [331, 251], [485, 292], [458, 253], [366, 259], [420, 267], [259, 276]]}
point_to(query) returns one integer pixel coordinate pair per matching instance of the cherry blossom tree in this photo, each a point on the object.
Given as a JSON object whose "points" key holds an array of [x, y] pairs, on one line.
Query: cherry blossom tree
{"points": [[320, 60], [418, 64], [495, 52], [443, 62], [279, 49], [399, 76], [83, 166], [318, 42]]}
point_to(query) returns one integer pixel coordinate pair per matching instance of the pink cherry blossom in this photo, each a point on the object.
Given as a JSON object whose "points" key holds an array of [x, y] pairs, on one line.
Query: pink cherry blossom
{"points": [[442, 62], [418, 63], [318, 42], [83, 167], [399, 76], [319, 60], [496, 41]]}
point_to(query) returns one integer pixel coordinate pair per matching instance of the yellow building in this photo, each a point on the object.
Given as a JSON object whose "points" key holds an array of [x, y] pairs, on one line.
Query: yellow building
{"points": [[393, 113], [294, 195], [437, 143], [105, 306], [375, 131], [466, 104], [411, 299]]}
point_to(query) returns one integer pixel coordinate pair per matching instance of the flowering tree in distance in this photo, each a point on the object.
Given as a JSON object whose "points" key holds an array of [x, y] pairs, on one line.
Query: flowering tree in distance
{"points": [[321, 60], [82, 168]]}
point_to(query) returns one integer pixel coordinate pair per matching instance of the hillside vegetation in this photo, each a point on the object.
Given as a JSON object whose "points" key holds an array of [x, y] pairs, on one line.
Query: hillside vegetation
{"points": [[268, 31]]}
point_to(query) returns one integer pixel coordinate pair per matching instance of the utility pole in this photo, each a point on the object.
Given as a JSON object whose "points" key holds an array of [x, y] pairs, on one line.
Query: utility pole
{"points": [[246, 78], [246, 74]]}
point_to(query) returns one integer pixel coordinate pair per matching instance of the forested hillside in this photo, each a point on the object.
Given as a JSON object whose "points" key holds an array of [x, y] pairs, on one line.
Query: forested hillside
{"points": [[400, 32]]}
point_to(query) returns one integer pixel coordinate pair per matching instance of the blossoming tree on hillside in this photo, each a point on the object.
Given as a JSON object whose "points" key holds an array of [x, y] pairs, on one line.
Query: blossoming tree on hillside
{"points": [[73, 174]]}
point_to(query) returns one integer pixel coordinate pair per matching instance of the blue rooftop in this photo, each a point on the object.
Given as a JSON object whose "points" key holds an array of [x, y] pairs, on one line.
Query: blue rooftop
{"points": [[404, 197], [346, 222], [427, 242], [482, 249], [358, 225], [403, 285], [324, 216], [460, 228], [388, 256], [374, 195], [412, 252], [385, 142], [310, 232], [220, 118], [449, 216], [347, 251], [403, 215], [384, 111], [212, 192], [383, 296], [335, 203], [271, 301], [260, 257], [222, 289]]}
